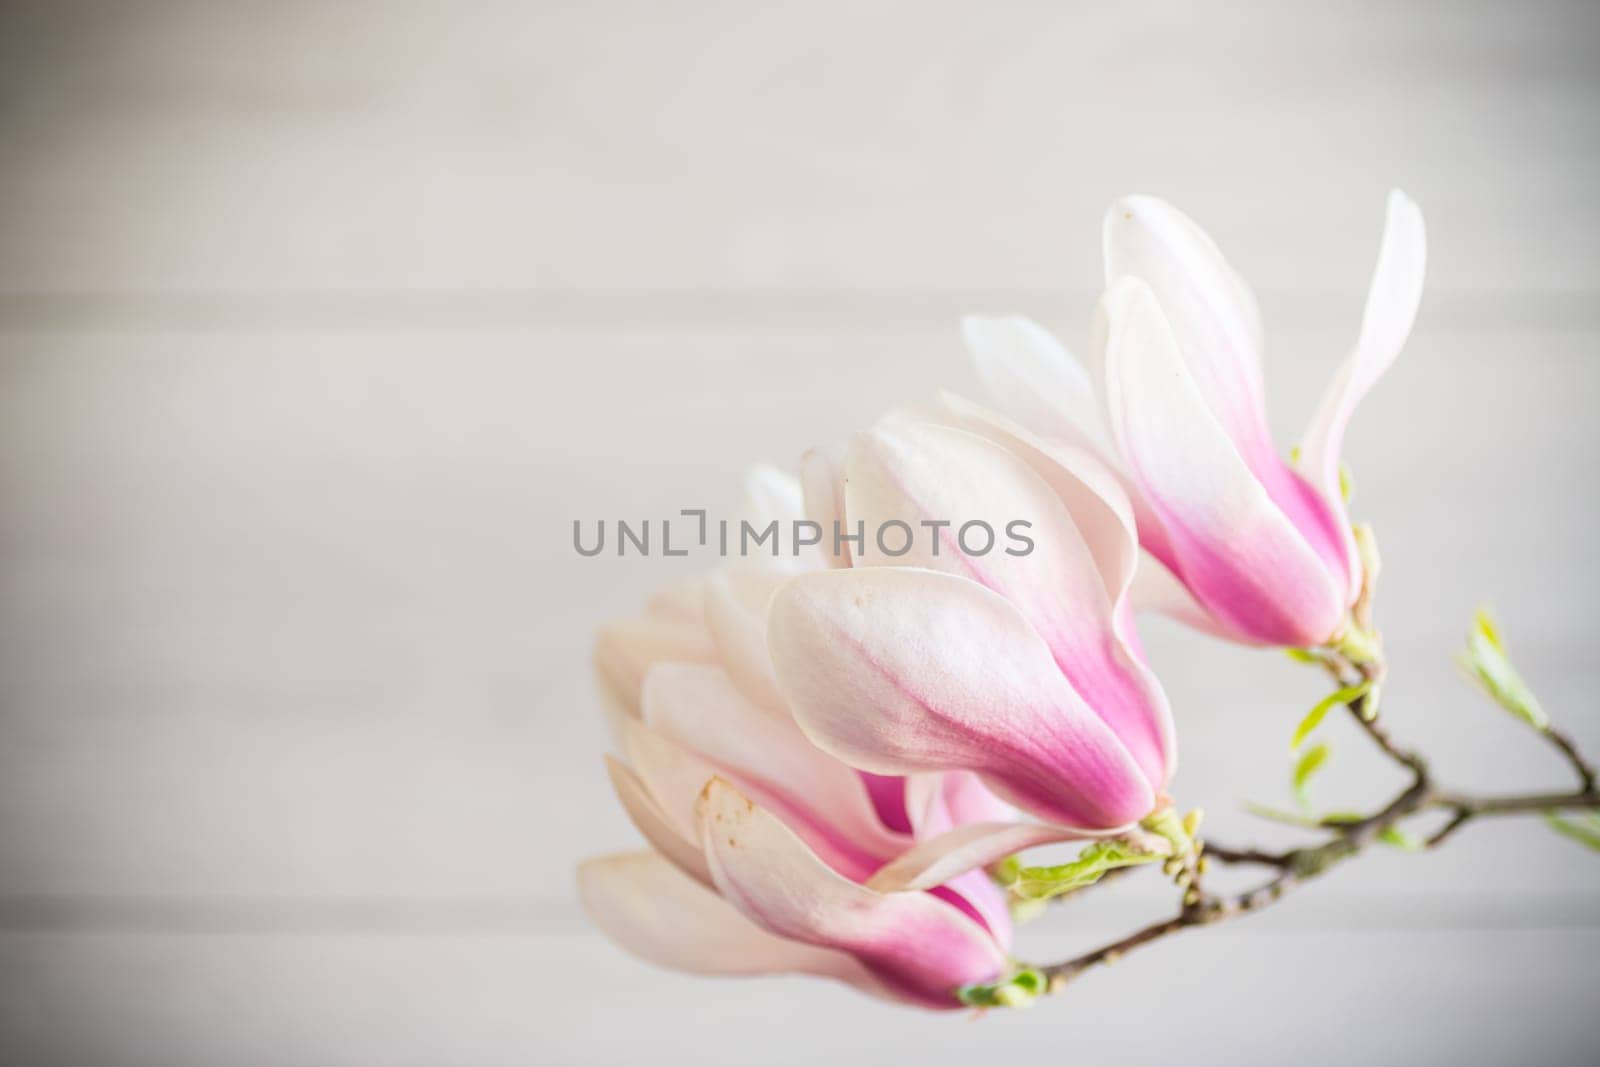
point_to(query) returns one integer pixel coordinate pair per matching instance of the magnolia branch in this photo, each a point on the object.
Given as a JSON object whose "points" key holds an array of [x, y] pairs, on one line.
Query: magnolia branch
{"points": [[1292, 867]]}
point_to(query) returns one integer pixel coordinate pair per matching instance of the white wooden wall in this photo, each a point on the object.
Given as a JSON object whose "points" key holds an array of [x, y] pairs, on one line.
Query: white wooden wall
{"points": [[319, 323]]}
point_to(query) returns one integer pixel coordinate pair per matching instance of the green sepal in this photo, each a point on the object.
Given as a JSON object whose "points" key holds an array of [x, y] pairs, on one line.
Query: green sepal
{"points": [[1042, 883], [1357, 645], [1314, 717], [1584, 829], [1486, 662], [1019, 990], [1166, 823]]}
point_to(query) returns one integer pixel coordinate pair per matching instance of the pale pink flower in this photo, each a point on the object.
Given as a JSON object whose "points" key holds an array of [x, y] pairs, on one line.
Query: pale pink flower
{"points": [[1248, 545], [1021, 666], [769, 854]]}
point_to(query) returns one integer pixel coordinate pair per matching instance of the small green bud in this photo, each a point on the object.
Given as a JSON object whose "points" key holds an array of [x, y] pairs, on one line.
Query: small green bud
{"points": [[1487, 662], [1166, 823], [1357, 645]]}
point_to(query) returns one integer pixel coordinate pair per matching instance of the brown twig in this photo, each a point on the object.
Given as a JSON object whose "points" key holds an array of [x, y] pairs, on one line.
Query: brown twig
{"points": [[1293, 867], [1582, 767]]}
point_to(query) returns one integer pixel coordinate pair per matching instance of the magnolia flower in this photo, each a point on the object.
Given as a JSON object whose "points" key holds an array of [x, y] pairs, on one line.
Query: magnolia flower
{"points": [[769, 855], [1021, 666], [1247, 545]]}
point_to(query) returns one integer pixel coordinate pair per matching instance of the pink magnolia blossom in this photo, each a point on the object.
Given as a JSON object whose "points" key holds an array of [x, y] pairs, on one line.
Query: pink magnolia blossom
{"points": [[1020, 666], [1245, 544], [768, 854]]}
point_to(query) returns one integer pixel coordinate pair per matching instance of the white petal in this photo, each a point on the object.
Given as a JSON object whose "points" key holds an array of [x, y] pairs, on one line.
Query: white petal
{"points": [[1086, 484], [626, 649], [822, 484], [1032, 378], [736, 602], [1212, 313], [772, 495], [1392, 302], [915, 473], [676, 842], [672, 776]]}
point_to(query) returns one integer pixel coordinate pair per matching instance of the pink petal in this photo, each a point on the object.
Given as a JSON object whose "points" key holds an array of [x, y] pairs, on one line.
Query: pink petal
{"points": [[700, 708], [1155, 588], [915, 472], [935, 801], [1217, 325], [920, 948], [1392, 302], [976, 896], [968, 800], [888, 793], [899, 670], [1231, 544], [653, 911], [972, 891]]}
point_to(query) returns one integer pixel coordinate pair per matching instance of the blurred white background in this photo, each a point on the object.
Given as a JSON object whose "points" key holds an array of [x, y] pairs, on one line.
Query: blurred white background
{"points": [[320, 323]]}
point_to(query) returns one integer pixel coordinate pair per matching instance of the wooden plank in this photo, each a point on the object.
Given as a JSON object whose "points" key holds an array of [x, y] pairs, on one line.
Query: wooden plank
{"points": [[1312, 999], [204, 146]]}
